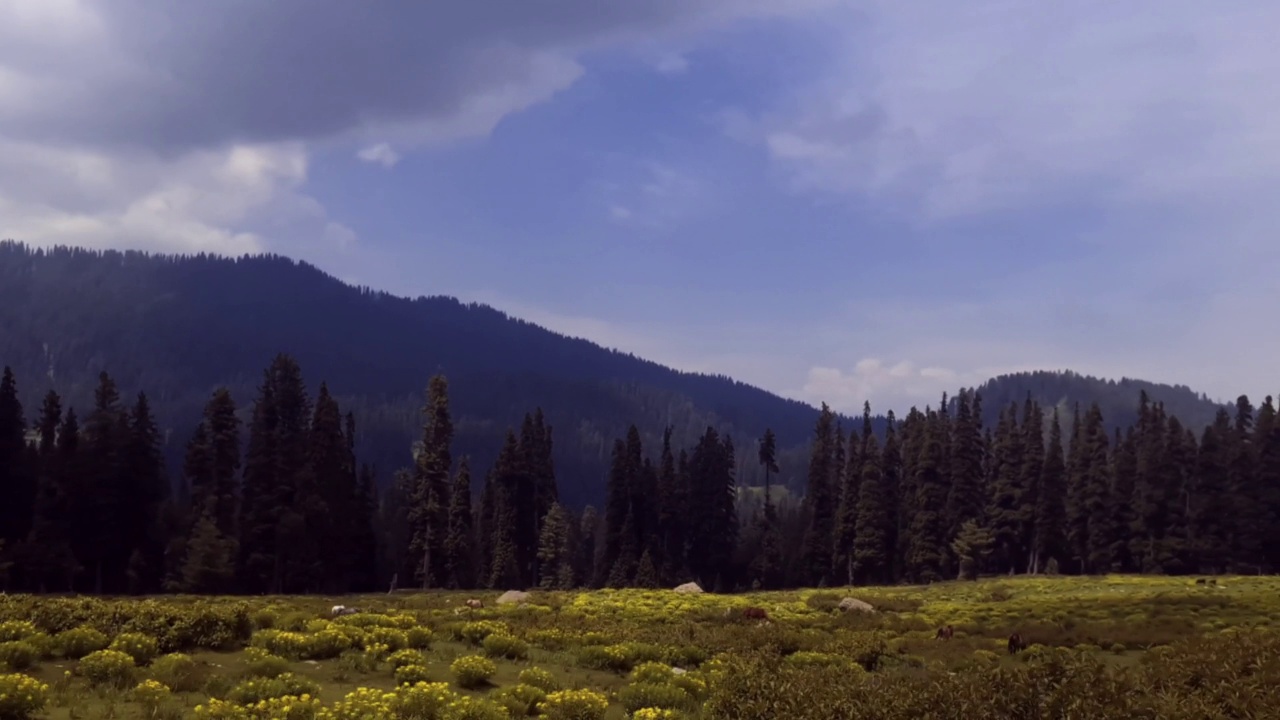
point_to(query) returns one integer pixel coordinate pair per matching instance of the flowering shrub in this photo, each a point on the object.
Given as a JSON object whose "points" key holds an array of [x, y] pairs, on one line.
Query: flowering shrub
{"points": [[286, 644], [504, 645], [575, 705], [539, 678], [521, 700], [259, 689], [654, 695], [108, 667], [422, 700], [412, 674], [362, 704], [11, 630], [151, 694], [469, 708], [652, 672], [18, 654], [418, 638], [78, 642], [21, 697], [401, 658], [392, 638], [261, 663], [657, 714], [472, 671], [476, 632], [177, 671], [142, 648]]}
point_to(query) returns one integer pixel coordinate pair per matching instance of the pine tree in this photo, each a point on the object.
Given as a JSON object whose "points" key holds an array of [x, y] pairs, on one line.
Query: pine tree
{"points": [[1004, 509], [819, 501], [429, 512], [1247, 496], [209, 565], [1267, 433], [331, 499], [891, 477], [1050, 541], [972, 545], [47, 555], [508, 476], [925, 555], [846, 521], [672, 501], [17, 479], [1211, 503], [646, 572], [555, 550], [100, 538], [146, 488], [766, 567], [872, 543], [458, 549], [1097, 488], [966, 494], [1032, 472]]}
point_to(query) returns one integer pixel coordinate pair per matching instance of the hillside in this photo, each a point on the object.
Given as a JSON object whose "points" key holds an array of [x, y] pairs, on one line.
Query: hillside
{"points": [[178, 327], [1118, 399]]}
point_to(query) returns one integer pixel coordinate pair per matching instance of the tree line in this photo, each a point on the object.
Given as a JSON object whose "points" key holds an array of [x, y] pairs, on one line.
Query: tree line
{"points": [[280, 503]]}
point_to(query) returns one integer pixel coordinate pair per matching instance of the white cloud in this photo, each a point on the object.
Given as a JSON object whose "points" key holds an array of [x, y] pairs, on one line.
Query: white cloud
{"points": [[952, 109], [222, 202], [671, 63], [380, 154]]}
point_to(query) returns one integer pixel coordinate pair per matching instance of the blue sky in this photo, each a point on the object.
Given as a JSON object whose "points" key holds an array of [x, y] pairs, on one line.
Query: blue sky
{"points": [[837, 201]]}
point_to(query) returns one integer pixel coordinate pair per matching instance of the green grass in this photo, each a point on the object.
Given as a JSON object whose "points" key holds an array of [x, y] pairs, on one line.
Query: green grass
{"points": [[1115, 620]]}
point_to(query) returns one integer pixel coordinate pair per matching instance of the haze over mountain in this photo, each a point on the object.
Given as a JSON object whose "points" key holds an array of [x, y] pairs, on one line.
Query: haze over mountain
{"points": [[179, 327]]}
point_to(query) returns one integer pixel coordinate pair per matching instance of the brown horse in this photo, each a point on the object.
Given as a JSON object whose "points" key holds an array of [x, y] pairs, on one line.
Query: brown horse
{"points": [[945, 633], [1016, 644], [475, 604], [755, 613]]}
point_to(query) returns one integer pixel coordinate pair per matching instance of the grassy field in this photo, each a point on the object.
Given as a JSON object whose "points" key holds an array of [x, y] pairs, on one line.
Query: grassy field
{"points": [[1098, 647]]}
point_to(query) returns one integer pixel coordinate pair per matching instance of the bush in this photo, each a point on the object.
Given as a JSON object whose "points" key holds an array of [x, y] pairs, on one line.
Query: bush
{"points": [[325, 645], [21, 697], [12, 630], [261, 663], [472, 671], [654, 695], [18, 654], [177, 671], [259, 689], [502, 645], [419, 638], [539, 678], [575, 705], [412, 674], [141, 648], [401, 658], [522, 700], [108, 667], [78, 642], [151, 694], [476, 632], [468, 708], [422, 700]]}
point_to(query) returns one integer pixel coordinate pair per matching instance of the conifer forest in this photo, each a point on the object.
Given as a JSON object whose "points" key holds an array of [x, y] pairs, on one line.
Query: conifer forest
{"points": [[271, 498]]}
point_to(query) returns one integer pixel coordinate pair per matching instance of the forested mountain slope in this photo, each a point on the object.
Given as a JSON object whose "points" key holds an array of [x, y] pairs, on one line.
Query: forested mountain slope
{"points": [[178, 327]]}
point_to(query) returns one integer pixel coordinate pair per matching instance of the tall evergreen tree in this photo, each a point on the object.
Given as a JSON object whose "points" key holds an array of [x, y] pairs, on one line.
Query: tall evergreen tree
{"points": [[555, 550], [1050, 541], [429, 512], [820, 501], [966, 494], [1248, 528], [872, 545], [1211, 502], [925, 554], [17, 477], [458, 547]]}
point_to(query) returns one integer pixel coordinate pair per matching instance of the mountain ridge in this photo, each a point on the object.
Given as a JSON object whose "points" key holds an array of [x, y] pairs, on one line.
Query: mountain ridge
{"points": [[177, 326]]}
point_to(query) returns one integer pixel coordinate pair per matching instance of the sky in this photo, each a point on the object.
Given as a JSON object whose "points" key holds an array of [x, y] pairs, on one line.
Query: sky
{"points": [[835, 200]]}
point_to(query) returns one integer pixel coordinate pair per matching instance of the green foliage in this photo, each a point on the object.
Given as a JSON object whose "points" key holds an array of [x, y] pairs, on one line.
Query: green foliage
{"points": [[22, 697], [142, 648], [108, 667], [501, 645], [78, 642], [472, 671], [177, 671], [18, 654]]}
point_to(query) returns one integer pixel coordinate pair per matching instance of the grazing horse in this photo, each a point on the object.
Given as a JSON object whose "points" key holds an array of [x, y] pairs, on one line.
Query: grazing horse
{"points": [[1016, 644], [755, 613], [475, 604], [944, 633]]}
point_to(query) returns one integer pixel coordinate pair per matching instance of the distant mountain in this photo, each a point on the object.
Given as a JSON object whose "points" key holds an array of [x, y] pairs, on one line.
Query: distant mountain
{"points": [[177, 327], [1118, 399]]}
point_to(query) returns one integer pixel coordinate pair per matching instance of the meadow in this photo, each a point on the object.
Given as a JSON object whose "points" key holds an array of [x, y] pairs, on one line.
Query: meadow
{"points": [[1104, 647]]}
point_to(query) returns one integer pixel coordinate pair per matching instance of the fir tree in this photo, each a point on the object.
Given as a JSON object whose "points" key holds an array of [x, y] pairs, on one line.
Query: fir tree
{"points": [[820, 500], [972, 545], [458, 546], [429, 511], [1050, 542], [555, 550], [872, 544]]}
